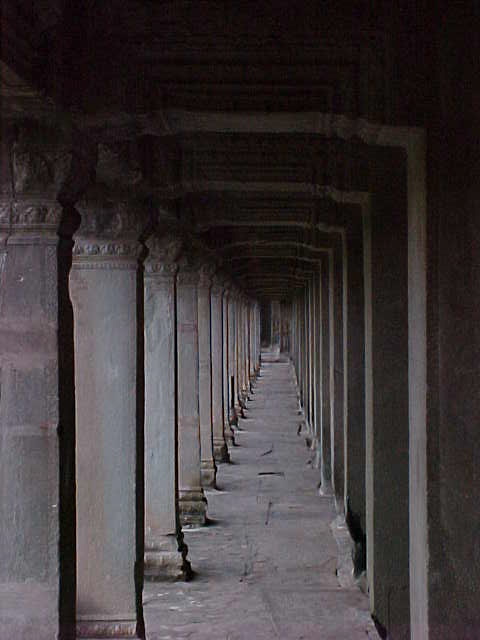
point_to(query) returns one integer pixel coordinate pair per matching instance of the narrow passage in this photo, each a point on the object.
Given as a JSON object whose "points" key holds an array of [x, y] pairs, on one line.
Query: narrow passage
{"points": [[266, 565]]}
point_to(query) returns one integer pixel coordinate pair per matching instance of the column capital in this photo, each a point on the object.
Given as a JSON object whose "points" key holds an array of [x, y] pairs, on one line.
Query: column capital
{"points": [[206, 275], [36, 164], [234, 293], [163, 253], [188, 271], [227, 287], [218, 285], [109, 232]]}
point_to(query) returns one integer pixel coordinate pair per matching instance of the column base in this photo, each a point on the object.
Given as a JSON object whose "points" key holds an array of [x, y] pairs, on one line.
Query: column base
{"points": [[243, 397], [220, 451], [208, 472], [193, 508], [239, 411], [167, 560], [106, 627]]}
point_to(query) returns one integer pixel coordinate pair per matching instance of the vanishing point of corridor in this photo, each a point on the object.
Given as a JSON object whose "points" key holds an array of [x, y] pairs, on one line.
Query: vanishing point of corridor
{"points": [[266, 564]]}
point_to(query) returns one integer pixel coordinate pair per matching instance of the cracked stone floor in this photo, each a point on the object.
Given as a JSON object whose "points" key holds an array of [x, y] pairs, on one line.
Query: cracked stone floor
{"points": [[266, 564]]}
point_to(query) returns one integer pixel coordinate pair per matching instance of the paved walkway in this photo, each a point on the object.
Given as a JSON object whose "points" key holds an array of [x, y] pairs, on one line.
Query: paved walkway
{"points": [[266, 565]]}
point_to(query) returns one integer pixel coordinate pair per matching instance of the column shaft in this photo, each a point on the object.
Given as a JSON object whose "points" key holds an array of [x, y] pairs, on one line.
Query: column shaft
{"points": [[220, 449], [192, 500], [103, 285], [208, 467], [29, 419], [165, 551]]}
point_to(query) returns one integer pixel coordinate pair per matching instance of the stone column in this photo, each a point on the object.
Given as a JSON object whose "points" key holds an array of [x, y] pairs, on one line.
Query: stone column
{"points": [[276, 320], [387, 404], [251, 343], [317, 389], [305, 380], [220, 449], [242, 383], [232, 376], [103, 287], [258, 338], [247, 346], [237, 347], [326, 312], [228, 432], [355, 392], [310, 356], [192, 501], [165, 551], [30, 387], [208, 467], [337, 396]]}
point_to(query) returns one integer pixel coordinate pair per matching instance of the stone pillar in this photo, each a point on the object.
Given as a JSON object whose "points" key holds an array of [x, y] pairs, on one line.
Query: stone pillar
{"points": [[305, 367], [192, 501], [238, 353], [103, 286], [256, 342], [30, 387], [226, 367], [317, 388], [220, 449], [243, 350], [326, 312], [337, 396], [232, 375], [311, 358], [251, 343], [355, 395], [387, 403], [276, 324], [208, 467], [165, 551]]}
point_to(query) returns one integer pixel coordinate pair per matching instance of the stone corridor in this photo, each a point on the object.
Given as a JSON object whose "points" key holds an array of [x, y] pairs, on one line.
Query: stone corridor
{"points": [[184, 183], [265, 566]]}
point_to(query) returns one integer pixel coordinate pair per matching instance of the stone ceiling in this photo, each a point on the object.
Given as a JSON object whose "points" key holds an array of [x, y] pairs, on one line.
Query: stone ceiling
{"points": [[247, 121]]}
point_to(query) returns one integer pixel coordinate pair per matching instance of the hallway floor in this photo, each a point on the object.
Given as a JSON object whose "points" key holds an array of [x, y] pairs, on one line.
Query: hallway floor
{"points": [[266, 564]]}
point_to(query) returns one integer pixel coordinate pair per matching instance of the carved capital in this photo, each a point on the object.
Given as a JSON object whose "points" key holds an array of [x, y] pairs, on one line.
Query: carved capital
{"points": [[206, 274], [118, 166], [36, 161], [218, 284], [40, 162], [216, 290], [187, 276], [29, 221], [227, 288], [109, 230], [163, 251], [163, 269], [189, 268]]}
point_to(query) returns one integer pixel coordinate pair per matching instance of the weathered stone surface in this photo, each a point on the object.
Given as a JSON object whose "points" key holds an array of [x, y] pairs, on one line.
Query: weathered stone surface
{"points": [[192, 501], [208, 467], [267, 569], [34, 165], [220, 449], [103, 286], [387, 433], [165, 551]]}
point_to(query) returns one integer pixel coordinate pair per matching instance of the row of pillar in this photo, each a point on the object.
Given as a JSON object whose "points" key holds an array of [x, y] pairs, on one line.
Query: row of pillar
{"points": [[151, 362], [350, 352]]}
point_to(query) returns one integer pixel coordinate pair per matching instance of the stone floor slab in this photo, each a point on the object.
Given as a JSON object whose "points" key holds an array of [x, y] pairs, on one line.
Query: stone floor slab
{"points": [[265, 566]]}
